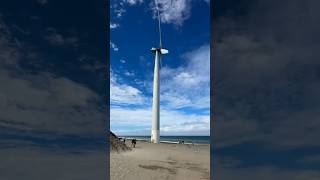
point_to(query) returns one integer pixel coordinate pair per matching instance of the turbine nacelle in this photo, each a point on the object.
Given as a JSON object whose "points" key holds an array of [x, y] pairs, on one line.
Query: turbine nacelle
{"points": [[161, 50]]}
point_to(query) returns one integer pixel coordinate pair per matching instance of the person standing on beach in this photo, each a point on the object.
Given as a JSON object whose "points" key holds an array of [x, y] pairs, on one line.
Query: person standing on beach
{"points": [[134, 143]]}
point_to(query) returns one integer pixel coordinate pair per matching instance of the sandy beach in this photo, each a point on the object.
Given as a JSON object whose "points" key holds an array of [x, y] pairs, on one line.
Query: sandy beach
{"points": [[161, 161]]}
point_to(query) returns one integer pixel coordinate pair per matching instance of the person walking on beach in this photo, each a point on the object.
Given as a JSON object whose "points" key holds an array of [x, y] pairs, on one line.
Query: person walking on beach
{"points": [[134, 143]]}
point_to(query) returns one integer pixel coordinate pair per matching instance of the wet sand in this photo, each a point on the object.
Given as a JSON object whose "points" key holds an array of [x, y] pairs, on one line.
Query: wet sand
{"points": [[161, 161]]}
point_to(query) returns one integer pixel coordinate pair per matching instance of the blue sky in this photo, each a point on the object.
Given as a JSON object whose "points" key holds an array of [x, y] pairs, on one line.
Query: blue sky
{"points": [[185, 79]]}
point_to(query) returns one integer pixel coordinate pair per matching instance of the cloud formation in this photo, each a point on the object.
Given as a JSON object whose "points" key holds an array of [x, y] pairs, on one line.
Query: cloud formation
{"points": [[132, 2], [172, 11], [51, 118], [258, 83], [42, 101], [114, 25], [188, 85], [123, 94], [172, 122], [114, 46], [118, 7], [266, 90]]}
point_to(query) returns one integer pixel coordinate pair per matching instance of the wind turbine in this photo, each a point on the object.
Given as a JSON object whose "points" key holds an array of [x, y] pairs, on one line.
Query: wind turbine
{"points": [[159, 52]]}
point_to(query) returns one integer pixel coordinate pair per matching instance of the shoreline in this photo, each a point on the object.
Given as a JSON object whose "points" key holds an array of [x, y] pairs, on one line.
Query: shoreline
{"points": [[165, 141]]}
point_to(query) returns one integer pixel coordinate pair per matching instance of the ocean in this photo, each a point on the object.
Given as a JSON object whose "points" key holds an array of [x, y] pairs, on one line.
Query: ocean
{"points": [[186, 139]]}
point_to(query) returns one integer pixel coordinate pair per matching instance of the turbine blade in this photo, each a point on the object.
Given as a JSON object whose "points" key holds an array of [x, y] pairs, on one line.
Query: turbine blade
{"points": [[159, 25], [164, 51]]}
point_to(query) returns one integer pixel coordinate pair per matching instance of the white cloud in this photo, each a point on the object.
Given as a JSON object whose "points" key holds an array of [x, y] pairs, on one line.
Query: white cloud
{"points": [[173, 11], [118, 6], [189, 85], [172, 122], [119, 12], [130, 74], [130, 116], [122, 94], [114, 25], [132, 2], [114, 46]]}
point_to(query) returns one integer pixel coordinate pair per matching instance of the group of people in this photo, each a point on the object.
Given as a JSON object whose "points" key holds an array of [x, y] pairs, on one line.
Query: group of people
{"points": [[133, 142]]}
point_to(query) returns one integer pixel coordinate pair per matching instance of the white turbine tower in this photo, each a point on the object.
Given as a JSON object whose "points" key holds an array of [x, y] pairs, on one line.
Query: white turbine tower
{"points": [[159, 52]]}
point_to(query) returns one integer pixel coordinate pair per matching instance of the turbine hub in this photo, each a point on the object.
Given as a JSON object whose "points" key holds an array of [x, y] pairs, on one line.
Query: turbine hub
{"points": [[161, 50]]}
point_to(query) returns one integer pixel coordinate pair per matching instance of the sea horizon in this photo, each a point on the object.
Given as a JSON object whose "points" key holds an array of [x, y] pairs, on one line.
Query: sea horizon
{"points": [[171, 138]]}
